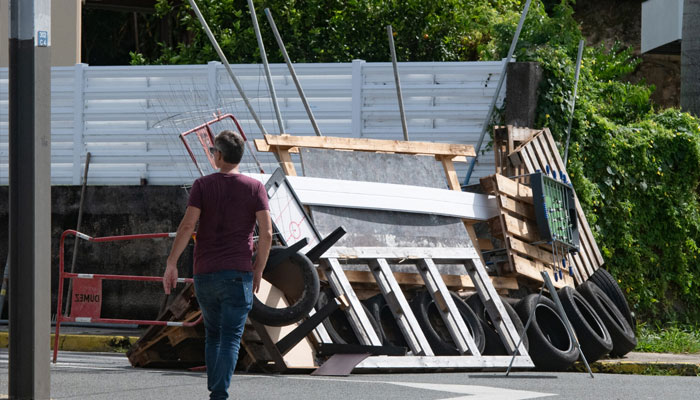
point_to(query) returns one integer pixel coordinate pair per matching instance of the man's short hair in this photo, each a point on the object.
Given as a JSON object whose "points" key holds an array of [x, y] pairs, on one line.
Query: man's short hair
{"points": [[231, 146]]}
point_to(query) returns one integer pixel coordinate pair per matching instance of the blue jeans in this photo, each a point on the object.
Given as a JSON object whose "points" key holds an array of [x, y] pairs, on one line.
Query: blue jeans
{"points": [[225, 297]]}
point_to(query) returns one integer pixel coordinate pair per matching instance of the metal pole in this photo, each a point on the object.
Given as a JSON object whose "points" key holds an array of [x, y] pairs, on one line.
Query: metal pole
{"points": [[567, 323], [292, 72], [573, 101], [77, 228], [489, 114], [390, 32], [214, 43], [30, 198], [263, 55], [5, 278], [527, 325]]}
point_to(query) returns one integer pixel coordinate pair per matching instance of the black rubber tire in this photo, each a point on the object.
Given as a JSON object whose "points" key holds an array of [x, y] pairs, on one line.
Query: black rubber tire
{"points": [[494, 345], [608, 284], [591, 332], [621, 332], [434, 328], [298, 280], [338, 326], [391, 330], [551, 348]]}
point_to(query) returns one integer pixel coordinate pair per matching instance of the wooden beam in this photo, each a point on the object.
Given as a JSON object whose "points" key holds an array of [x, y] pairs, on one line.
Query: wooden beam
{"points": [[392, 146], [285, 161], [531, 269], [520, 228], [513, 189], [414, 279], [535, 252], [517, 207], [450, 173]]}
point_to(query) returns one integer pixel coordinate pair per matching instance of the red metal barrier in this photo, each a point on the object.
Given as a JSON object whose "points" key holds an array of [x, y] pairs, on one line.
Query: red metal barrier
{"points": [[88, 292]]}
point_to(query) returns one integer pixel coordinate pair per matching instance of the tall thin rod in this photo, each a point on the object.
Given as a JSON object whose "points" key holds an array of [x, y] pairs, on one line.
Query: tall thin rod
{"points": [[77, 228], [397, 80], [573, 101], [280, 43], [214, 43], [266, 66], [487, 120]]}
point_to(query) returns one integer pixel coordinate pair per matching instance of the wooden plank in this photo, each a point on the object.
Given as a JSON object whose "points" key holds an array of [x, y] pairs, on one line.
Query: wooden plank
{"points": [[285, 161], [527, 160], [535, 252], [517, 207], [522, 229], [485, 244], [393, 146], [177, 336], [405, 254], [520, 134], [531, 269], [513, 189], [454, 282], [450, 173]]}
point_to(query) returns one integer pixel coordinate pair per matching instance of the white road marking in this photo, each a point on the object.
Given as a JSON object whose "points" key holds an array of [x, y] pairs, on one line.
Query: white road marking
{"points": [[474, 392]]}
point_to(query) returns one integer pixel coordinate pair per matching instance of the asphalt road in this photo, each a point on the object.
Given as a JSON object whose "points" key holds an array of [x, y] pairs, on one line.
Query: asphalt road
{"points": [[110, 376]]}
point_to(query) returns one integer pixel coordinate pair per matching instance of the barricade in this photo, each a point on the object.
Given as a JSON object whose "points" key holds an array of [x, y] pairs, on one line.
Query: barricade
{"points": [[88, 288]]}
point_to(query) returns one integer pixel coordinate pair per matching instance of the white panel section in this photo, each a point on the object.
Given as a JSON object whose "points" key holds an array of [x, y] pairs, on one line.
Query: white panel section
{"points": [[390, 197], [132, 116], [662, 23]]}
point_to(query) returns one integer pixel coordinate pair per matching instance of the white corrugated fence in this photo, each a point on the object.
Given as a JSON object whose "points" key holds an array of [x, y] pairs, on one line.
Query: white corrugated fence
{"points": [[129, 117]]}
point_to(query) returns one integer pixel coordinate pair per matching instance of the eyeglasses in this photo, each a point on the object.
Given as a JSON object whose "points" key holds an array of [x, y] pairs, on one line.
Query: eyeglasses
{"points": [[212, 150]]}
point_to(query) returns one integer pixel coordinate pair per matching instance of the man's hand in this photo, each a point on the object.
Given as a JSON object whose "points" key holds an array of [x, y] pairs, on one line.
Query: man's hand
{"points": [[257, 277], [170, 278]]}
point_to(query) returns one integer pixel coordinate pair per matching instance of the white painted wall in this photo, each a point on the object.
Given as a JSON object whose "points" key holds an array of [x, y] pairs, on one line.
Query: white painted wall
{"points": [[130, 117], [662, 23]]}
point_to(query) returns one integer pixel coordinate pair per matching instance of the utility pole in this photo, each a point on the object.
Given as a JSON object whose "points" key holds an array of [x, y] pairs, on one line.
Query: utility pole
{"points": [[30, 198], [690, 58]]}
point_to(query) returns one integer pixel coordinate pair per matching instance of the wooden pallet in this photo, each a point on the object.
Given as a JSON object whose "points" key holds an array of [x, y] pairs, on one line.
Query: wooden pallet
{"points": [[517, 227], [505, 140], [172, 346], [536, 154]]}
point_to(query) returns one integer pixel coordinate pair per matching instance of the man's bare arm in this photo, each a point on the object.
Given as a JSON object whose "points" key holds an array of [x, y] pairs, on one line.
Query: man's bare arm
{"points": [[184, 233], [264, 243]]}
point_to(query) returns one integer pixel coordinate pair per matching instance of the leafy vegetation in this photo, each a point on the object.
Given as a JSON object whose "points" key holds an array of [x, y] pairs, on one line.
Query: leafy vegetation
{"points": [[669, 339], [636, 170]]}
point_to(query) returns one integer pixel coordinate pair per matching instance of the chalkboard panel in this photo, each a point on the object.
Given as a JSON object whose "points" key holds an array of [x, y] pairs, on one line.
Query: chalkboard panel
{"points": [[368, 228]]}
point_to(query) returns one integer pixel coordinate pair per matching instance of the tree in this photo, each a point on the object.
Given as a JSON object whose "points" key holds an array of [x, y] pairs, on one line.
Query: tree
{"points": [[690, 58]]}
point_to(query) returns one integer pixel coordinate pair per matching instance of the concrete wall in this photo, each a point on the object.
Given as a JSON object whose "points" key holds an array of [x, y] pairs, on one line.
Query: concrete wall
{"points": [[65, 32], [114, 210]]}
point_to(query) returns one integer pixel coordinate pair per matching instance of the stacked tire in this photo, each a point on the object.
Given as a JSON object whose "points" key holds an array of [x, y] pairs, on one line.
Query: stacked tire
{"points": [[600, 316]]}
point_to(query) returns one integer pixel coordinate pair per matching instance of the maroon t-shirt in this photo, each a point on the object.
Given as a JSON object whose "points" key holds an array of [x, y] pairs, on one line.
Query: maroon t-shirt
{"points": [[228, 203]]}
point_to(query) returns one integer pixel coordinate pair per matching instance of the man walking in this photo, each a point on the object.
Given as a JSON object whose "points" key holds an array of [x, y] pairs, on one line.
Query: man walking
{"points": [[227, 206]]}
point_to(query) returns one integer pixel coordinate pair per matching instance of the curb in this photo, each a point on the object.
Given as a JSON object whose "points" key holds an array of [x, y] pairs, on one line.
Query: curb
{"points": [[640, 368], [88, 343]]}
